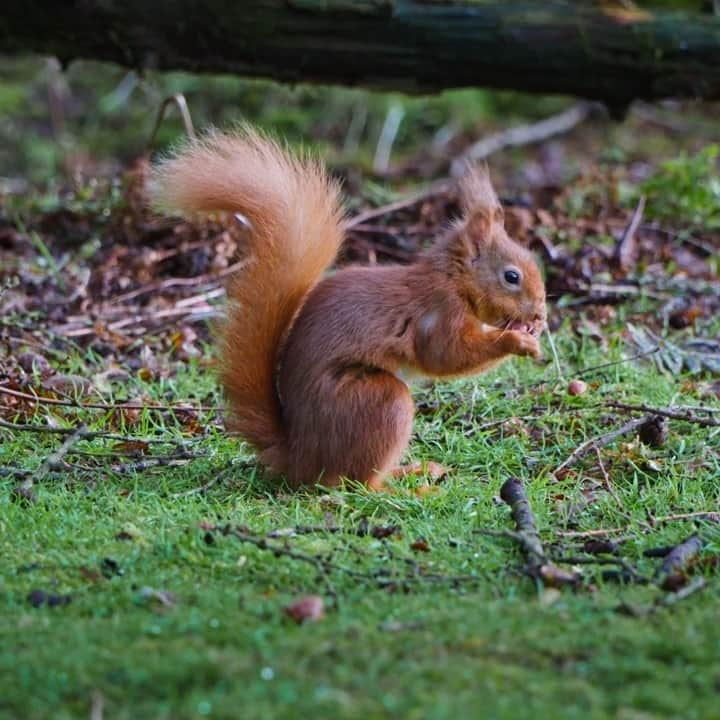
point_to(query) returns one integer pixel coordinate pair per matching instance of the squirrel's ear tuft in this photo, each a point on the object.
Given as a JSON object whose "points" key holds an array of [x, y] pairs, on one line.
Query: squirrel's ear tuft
{"points": [[479, 225], [476, 190]]}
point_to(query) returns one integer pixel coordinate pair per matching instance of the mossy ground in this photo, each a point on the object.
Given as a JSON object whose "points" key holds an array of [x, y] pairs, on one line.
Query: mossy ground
{"points": [[499, 647]]}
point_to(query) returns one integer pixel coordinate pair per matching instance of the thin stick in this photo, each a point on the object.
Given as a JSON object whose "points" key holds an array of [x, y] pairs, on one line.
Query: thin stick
{"points": [[90, 435], [403, 204], [556, 359], [178, 282], [607, 483], [602, 366], [626, 248], [668, 413], [523, 135], [600, 532], [387, 138], [513, 493], [103, 406], [598, 442], [324, 565], [52, 462], [181, 103], [676, 561], [595, 368], [202, 489], [181, 458], [690, 589], [538, 567], [663, 602], [604, 560]]}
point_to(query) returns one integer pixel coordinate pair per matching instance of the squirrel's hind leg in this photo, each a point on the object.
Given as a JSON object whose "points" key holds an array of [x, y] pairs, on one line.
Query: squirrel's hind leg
{"points": [[361, 435]]}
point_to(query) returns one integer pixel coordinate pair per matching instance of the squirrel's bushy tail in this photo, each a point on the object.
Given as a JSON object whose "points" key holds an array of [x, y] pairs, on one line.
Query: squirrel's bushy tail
{"points": [[294, 210]]}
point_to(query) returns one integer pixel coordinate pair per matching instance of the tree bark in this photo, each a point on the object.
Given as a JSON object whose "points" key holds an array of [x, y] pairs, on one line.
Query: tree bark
{"points": [[598, 50]]}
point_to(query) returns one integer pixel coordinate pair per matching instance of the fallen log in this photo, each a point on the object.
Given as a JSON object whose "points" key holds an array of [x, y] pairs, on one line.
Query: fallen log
{"points": [[598, 50]]}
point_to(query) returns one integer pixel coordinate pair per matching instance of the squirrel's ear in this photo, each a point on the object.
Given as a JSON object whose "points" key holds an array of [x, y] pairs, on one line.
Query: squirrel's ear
{"points": [[479, 224]]}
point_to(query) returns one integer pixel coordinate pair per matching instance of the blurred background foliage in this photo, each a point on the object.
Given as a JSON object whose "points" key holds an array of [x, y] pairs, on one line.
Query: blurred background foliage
{"points": [[94, 114], [95, 118]]}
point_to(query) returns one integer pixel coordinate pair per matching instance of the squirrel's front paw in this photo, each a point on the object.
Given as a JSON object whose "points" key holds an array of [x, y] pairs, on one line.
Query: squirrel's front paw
{"points": [[523, 343]]}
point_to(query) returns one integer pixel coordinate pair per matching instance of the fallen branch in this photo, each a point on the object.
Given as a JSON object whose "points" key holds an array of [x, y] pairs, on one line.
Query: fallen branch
{"points": [[513, 493], [598, 442], [527, 536], [523, 135], [669, 574], [670, 412]]}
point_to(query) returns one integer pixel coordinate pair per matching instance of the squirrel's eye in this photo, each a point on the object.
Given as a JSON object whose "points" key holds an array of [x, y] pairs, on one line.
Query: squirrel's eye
{"points": [[512, 277]]}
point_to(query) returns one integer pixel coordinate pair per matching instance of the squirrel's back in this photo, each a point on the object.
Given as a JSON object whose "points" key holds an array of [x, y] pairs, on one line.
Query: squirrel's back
{"points": [[295, 231]]}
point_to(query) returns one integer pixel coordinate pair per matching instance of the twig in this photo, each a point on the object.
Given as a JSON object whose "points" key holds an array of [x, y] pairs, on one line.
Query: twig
{"points": [[537, 567], [595, 368], [607, 483], [697, 408], [597, 291], [626, 248], [684, 237], [690, 589], [604, 560], [513, 493], [556, 358], [668, 413], [666, 576], [602, 366], [54, 460], [663, 602], [89, 435], [178, 282], [598, 442], [104, 406], [174, 460], [205, 313], [523, 135], [702, 515], [387, 138], [217, 477], [325, 565], [496, 423], [601, 532], [181, 103], [596, 532], [363, 217], [97, 704], [52, 463]]}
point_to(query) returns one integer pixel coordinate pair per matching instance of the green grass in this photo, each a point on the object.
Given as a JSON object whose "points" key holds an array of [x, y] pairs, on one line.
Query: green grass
{"points": [[499, 647]]}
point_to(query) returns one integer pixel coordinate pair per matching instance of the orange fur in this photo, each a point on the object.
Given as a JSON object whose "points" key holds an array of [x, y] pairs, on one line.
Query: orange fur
{"points": [[294, 213], [315, 371]]}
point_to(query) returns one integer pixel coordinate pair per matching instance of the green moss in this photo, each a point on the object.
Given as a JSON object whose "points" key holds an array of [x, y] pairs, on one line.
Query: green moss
{"points": [[223, 647]]}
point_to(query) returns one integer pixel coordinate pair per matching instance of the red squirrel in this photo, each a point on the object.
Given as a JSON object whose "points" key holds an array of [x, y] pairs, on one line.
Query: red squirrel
{"points": [[315, 369]]}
